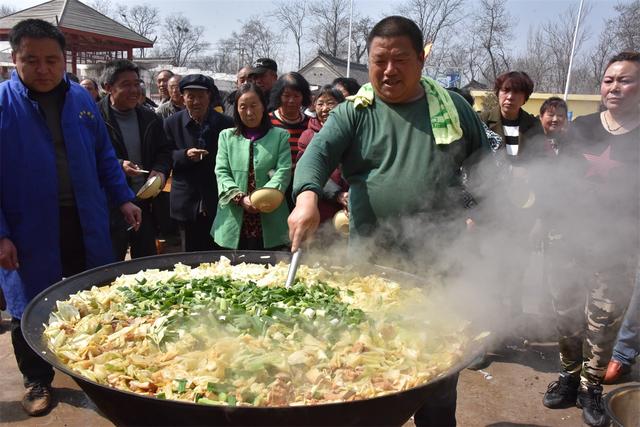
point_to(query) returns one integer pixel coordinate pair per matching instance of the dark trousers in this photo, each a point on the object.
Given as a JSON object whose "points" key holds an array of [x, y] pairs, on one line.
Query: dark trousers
{"points": [[33, 368], [440, 408], [167, 227], [142, 242], [197, 234]]}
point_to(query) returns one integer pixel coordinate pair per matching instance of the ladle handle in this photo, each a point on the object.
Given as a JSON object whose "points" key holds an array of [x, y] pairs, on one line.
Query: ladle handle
{"points": [[293, 268]]}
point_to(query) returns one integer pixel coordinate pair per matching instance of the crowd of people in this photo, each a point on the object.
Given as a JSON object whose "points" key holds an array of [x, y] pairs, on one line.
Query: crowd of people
{"points": [[399, 146]]}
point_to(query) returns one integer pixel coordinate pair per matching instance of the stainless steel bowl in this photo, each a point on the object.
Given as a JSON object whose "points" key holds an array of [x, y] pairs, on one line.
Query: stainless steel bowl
{"points": [[623, 406]]}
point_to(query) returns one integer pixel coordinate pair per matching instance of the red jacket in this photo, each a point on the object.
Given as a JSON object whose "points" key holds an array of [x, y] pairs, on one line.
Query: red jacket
{"points": [[327, 204]]}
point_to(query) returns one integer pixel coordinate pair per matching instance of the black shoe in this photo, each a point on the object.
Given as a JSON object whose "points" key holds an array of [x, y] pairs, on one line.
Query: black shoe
{"points": [[37, 399], [562, 393], [590, 400]]}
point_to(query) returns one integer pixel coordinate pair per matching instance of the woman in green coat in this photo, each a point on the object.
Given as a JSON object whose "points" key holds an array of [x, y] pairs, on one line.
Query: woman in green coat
{"points": [[250, 156]]}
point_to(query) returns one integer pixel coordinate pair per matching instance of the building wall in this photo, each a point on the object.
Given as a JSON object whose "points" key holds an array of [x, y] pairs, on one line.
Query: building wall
{"points": [[318, 75], [579, 105]]}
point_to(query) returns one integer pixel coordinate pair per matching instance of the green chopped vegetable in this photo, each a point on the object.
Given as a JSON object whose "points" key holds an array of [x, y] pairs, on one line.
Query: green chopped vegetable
{"points": [[243, 306]]}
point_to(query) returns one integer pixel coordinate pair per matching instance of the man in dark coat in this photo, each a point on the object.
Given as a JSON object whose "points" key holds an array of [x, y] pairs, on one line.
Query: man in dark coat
{"points": [[229, 101], [194, 134], [140, 144]]}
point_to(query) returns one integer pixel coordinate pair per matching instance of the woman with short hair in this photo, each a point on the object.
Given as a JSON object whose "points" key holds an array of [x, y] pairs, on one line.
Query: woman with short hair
{"points": [[335, 195], [552, 134], [288, 97], [508, 119], [251, 156]]}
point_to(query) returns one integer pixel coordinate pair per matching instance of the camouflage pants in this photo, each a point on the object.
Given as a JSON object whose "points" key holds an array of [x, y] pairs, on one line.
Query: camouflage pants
{"points": [[589, 313]]}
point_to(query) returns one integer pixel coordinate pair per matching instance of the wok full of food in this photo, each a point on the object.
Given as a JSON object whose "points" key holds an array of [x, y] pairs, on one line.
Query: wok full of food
{"points": [[223, 338]]}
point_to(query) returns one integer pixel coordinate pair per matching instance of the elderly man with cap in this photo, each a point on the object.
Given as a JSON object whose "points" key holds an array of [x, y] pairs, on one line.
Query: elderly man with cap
{"points": [[194, 134], [264, 73]]}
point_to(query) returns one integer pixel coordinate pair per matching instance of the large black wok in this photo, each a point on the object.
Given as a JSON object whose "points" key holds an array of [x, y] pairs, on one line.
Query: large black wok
{"points": [[125, 408]]}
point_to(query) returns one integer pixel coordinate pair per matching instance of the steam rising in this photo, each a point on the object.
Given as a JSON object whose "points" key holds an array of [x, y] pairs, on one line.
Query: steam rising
{"points": [[483, 268]]}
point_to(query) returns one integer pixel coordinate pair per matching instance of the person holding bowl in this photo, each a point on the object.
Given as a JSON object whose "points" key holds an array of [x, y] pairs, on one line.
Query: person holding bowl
{"points": [[252, 156]]}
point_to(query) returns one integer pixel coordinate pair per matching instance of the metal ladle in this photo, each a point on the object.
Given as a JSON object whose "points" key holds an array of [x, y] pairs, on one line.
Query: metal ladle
{"points": [[293, 268]]}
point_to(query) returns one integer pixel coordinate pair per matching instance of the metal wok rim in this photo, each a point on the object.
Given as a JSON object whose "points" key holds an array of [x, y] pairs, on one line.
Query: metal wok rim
{"points": [[236, 257]]}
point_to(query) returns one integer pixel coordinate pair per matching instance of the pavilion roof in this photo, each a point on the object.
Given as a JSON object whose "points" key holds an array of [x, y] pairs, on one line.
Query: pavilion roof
{"points": [[85, 28]]}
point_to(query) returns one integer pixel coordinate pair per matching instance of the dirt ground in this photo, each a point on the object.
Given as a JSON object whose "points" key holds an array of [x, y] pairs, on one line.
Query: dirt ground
{"points": [[507, 393]]}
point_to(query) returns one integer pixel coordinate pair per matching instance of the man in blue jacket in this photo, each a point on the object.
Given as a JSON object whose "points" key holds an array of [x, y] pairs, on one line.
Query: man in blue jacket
{"points": [[57, 168]]}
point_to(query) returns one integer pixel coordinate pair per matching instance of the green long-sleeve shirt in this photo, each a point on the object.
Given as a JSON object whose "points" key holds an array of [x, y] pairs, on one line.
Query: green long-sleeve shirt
{"points": [[390, 159]]}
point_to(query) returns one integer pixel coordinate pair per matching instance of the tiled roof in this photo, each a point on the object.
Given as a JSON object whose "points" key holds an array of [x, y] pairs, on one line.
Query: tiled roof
{"points": [[76, 16], [359, 72]]}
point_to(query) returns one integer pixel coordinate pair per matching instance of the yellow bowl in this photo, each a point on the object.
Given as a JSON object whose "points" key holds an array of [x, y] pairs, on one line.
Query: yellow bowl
{"points": [[341, 222], [266, 199], [150, 189]]}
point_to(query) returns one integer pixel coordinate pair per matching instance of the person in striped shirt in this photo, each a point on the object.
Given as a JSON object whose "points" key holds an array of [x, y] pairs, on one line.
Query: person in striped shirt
{"points": [[289, 96]]}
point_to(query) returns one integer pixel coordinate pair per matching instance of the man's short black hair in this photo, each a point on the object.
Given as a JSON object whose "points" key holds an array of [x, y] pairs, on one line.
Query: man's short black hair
{"points": [[397, 26], [349, 83], [113, 68], [465, 93], [35, 29], [171, 73]]}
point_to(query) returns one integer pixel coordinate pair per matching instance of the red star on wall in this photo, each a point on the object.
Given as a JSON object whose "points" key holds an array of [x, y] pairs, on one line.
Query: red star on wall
{"points": [[602, 164]]}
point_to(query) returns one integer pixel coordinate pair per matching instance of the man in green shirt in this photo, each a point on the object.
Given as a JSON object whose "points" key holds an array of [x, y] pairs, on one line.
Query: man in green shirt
{"points": [[401, 142]]}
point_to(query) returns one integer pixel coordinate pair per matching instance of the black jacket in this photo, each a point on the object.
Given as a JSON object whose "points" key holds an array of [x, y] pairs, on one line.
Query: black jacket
{"points": [[194, 182], [529, 127], [156, 149]]}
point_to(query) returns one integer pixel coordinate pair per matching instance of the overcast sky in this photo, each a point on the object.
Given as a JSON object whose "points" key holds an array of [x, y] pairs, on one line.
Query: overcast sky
{"points": [[221, 17]]}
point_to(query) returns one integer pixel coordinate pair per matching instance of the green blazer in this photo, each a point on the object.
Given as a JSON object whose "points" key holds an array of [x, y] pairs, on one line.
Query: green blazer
{"points": [[271, 157]]}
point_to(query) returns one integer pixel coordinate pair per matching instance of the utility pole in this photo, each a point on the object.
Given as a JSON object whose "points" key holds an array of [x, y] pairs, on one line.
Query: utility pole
{"points": [[573, 48], [349, 39]]}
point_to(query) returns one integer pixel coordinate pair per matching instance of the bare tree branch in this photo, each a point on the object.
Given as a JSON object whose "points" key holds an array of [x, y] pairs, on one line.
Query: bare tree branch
{"points": [[359, 34], [625, 25], [103, 6], [142, 19], [493, 26], [331, 23], [182, 40], [599, 57], [559, 39], [291, 15], [7, 10], [433, 16], [254, 41]]}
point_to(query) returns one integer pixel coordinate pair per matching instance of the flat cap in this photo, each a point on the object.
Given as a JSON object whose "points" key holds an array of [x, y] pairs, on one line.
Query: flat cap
{"points": [[197, 81]]}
